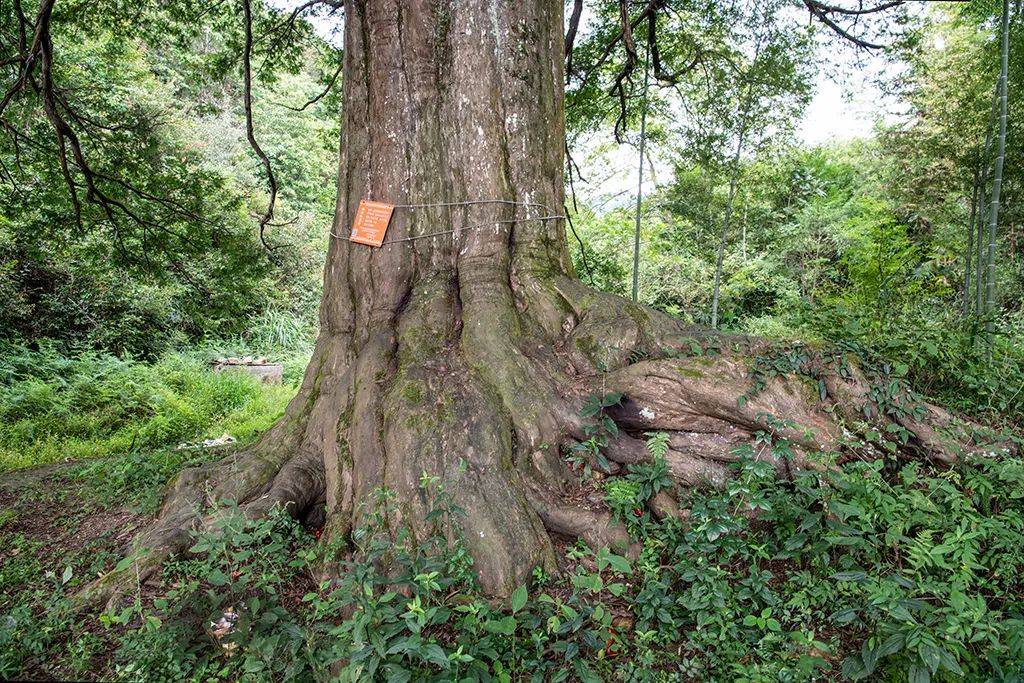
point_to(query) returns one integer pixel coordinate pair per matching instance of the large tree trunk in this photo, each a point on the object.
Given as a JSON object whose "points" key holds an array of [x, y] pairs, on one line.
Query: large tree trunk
{"points": [[467, 355]]}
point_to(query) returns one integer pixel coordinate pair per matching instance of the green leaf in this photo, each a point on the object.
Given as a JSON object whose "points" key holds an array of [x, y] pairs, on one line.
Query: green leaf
{"points": [[585, 673], [853, 668], [66, 576], [611, 399], [505, 627], [403, 645], [217, 577], [949, 663], [434, 654], [890, 646], [844, 615], [869, 657], [619, 563], [590, 408], [397, 674], [930, 656], [253, 665], [518, 598], [918, 674]]}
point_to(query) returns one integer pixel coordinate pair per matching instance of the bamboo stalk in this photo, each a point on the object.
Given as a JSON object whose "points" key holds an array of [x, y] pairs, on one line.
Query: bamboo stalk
{"points": [[997, 173], [979, 218]]}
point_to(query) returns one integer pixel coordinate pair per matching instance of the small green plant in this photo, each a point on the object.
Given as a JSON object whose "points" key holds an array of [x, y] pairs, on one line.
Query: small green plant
{"points": [[653, 477], [588, 453]]}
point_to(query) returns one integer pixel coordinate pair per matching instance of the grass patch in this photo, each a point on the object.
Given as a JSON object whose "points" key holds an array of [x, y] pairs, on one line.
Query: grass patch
{"points": [[56, 406]]}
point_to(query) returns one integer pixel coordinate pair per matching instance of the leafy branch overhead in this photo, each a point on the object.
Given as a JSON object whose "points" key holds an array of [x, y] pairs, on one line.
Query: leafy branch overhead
{"points": [[145, 212], [676, 41]]}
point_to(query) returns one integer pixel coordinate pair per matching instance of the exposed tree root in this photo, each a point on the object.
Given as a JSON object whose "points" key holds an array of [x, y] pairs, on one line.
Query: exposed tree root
{"points": [[253, 481]]}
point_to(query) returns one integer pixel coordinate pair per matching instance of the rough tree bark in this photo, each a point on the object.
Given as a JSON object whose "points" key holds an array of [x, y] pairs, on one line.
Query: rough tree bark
{"points": [[468, 355]]}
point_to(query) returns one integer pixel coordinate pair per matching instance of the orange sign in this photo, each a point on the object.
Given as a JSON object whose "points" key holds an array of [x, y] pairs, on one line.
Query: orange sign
{"points": [[371, 223]]}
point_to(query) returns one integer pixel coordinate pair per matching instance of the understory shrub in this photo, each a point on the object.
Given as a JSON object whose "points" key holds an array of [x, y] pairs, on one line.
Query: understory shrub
{"points": [[882, 570], [58, 406], [940, 354]]}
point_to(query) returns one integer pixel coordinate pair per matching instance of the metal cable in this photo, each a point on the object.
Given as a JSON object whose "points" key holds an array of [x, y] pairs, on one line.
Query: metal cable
{"points": [[476, 226]]}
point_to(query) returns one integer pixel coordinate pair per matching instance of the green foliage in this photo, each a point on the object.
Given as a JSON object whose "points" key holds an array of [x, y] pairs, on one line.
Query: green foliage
{"points": [[939, 355], [156, 102], [412, 610], [36, 619], [876, 556], [876, 571], [56, 406], [822, 251], [236, 579], [721, 39], [861, 242], [653, 477], [585, 454]]}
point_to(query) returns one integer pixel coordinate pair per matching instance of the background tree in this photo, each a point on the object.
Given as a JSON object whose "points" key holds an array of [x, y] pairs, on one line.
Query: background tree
{"points": [[954, 65], [769, 92], [997, 166], [151, 246]]}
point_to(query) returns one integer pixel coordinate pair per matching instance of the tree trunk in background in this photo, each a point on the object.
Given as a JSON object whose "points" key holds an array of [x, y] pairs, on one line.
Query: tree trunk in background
{"points": [[640, 174], [468, 356], [978, 212], [997, 169], [969, 252], [733, 179]]}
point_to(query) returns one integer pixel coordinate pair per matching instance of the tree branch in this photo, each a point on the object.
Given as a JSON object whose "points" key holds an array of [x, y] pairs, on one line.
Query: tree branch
{"points": [[570, 37], [651, 6], [29, 55], [822, 12], [268, 215], [834, 9], [330, 86]]}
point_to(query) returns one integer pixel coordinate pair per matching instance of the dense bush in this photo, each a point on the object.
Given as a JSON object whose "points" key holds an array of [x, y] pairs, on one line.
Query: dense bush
{"points": [[942, 355], [56, 406]]}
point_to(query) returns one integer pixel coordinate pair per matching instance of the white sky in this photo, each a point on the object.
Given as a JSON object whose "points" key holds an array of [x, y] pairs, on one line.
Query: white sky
{"points": [[840, 112]]}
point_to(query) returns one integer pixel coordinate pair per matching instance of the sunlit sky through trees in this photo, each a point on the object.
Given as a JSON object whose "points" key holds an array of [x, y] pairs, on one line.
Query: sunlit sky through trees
{"points": [[846, 102]]}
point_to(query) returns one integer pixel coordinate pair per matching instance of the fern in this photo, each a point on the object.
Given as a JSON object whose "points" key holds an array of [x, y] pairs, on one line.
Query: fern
{"points": [[657, 444], [652, 477]]}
